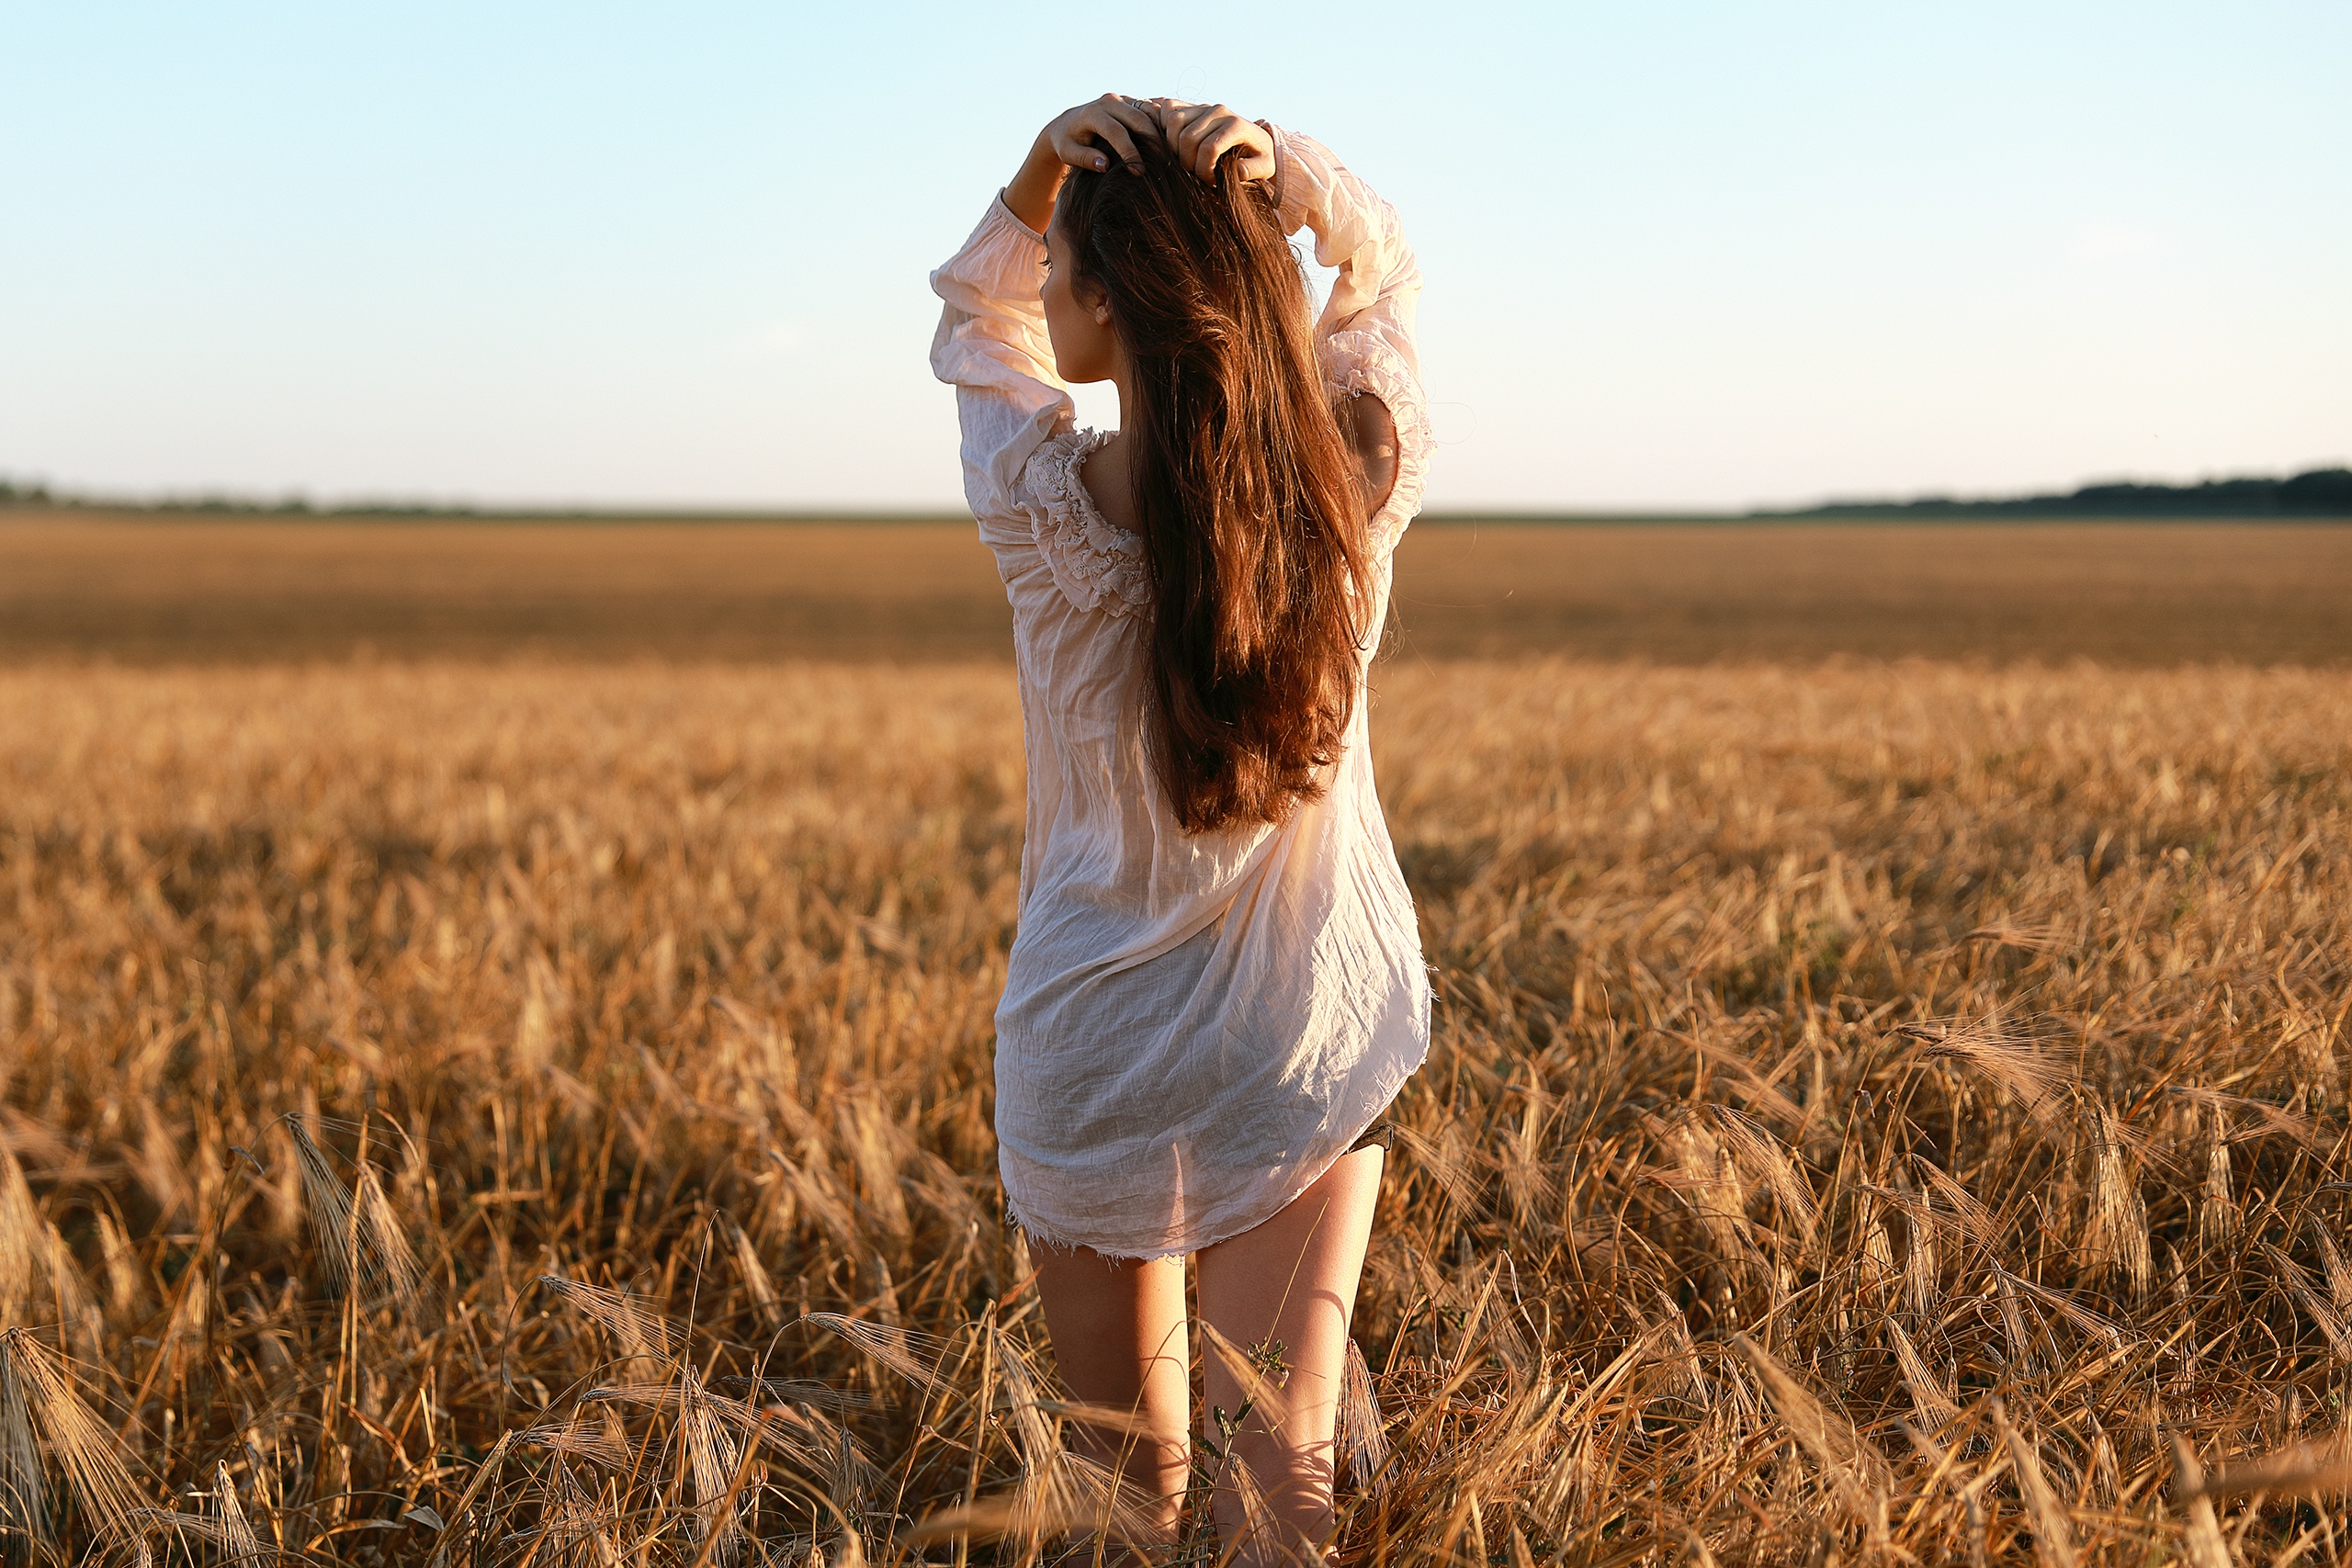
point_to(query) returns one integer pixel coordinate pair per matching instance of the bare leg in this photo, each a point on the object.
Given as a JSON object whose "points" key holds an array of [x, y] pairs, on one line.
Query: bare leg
{"points": [[1293, 1278], [1119, 1340]]}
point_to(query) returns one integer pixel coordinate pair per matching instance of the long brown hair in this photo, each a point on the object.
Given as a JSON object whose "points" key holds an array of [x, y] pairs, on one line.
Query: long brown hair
{"points": [[1252, 516]]}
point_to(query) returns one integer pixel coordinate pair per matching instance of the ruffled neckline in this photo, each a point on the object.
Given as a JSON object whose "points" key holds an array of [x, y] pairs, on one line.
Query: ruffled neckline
{"points": [[1097, 564]]}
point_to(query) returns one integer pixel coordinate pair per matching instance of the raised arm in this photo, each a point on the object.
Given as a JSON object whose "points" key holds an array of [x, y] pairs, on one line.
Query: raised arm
{"points": [[1365, 337], [1356, 231], [991, 345], [1366, 332]]}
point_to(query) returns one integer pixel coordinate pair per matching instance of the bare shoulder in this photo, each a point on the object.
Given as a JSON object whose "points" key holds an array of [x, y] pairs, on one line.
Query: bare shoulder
{"points": [[1108, 479]]}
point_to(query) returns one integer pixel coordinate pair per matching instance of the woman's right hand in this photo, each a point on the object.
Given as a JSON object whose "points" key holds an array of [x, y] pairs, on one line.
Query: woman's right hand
{"points": [[1200, 134]]}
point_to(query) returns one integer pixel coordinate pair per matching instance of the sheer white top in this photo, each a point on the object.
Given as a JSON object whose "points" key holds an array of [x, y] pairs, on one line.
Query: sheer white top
{"points": [[1193, 1026]]}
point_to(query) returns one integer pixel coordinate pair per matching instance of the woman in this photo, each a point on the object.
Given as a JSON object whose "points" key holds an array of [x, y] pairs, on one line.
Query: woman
{"points": [[1218, 987]]}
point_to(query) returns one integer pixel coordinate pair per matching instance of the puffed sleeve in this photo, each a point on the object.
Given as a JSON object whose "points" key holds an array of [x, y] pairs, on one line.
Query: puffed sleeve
{"points": [[991, 347], [1365, 338]]}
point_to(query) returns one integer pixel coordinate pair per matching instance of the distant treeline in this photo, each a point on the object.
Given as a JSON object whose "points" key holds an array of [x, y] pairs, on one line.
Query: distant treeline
{"points": [[14, 492], [19, 493], [2322, 492]]}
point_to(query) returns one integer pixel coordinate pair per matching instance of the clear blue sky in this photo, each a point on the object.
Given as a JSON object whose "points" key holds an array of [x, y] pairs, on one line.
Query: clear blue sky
{"points": [[1676, 253]]}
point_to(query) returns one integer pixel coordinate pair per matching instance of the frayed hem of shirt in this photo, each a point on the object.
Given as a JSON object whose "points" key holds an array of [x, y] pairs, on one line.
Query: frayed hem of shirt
{"points": [[1051, 1243], [1055, 1244]]}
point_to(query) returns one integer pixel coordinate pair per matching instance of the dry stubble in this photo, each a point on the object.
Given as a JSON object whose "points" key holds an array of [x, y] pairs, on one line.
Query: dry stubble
{"points": [[1882, 1106]]}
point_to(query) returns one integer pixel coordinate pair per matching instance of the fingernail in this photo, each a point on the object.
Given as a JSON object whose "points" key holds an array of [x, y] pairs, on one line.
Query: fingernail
{"points": [[1101, 163]]}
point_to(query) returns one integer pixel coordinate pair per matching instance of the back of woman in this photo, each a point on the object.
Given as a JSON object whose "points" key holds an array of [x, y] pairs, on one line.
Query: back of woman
{"points": [[1216, 986]]}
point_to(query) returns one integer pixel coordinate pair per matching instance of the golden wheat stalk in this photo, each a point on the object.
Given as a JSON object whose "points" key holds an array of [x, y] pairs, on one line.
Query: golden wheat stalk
{"points": [[38, 1401]]}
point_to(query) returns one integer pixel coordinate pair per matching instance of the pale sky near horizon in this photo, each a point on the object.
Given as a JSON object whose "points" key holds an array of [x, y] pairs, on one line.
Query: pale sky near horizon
{"points": [[1676, 255]]}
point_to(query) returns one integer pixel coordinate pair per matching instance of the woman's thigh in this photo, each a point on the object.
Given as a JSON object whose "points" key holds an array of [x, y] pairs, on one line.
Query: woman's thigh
{"points": [[1119, 1340], [1294, 1279]]}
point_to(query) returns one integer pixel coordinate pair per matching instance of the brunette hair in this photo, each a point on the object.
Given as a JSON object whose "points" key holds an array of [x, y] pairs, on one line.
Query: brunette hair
{"points": [[1253, 515]]}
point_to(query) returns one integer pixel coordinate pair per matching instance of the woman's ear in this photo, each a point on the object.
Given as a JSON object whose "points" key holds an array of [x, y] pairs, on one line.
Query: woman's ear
{"points": [[1093, 298]]}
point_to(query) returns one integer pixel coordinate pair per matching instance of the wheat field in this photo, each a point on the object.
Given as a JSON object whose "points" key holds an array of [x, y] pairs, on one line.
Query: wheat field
{"points": [[513, 1112], [143, 589]]}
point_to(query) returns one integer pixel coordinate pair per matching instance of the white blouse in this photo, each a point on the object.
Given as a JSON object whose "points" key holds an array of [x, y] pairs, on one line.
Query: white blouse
{"points": [[1195, 1026]]}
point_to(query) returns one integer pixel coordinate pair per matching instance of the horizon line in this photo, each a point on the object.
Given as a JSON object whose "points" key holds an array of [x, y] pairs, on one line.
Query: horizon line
{"points": [[2329, 491]]}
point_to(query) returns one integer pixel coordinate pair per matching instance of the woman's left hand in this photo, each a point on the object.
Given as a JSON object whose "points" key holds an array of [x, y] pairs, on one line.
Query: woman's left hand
{"points": [[1200, 134], [1087, 137]]}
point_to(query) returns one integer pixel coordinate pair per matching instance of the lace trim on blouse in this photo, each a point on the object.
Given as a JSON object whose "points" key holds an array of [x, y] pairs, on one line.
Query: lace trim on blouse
{"points": [[1096, 564], [1100, 566]]}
